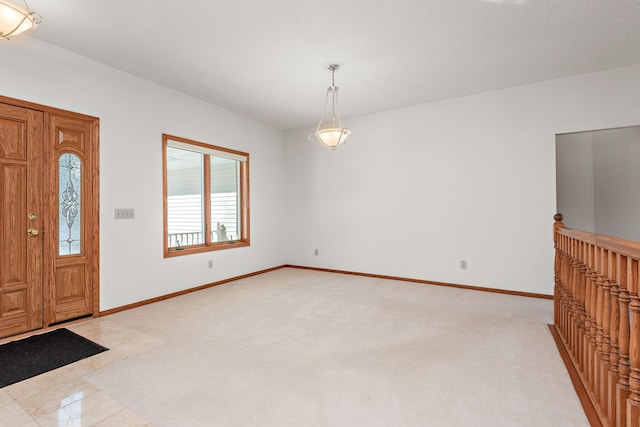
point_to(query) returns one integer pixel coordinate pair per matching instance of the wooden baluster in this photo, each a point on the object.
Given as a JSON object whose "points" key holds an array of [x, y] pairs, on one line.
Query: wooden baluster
{"points": [[566, 290], [566, 296], [633, 404], [614, 376], [622, 389], [597, 279], [565, 313], [557, 268], [606, 332], [583, 293], [577, 303], [592, 315], [583, 318], [589, 317], [562, 290], [571, 302], [594, 324]]}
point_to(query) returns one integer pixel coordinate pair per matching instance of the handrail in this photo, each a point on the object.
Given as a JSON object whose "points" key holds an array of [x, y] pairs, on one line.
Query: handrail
{"points": [[624, 247], [597, 315]]}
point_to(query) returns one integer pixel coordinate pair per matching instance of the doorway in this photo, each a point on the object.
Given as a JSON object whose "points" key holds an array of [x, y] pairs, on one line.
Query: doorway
{"points": [[49, 220], [596, 181]]}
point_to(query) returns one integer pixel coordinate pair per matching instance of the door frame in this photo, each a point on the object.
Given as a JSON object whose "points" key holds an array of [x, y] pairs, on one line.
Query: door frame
{"points": [[92, 222]]}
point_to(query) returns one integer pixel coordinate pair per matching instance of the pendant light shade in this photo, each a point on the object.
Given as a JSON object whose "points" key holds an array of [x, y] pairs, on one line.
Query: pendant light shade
{"points": [[15, 20], [331, 132]]}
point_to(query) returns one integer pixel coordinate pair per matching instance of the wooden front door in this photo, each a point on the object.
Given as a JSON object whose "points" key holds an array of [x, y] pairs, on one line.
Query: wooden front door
{"points": [[21, 216], [49, 219]]}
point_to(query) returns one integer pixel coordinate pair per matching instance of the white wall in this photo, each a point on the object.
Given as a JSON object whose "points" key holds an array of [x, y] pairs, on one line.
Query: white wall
{"points": [[133, 115], [412, 193], [416, 190], [575, 191]]}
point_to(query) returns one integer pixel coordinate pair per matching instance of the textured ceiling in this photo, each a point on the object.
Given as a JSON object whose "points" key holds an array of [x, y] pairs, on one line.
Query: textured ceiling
{"points": [[268, 59]]}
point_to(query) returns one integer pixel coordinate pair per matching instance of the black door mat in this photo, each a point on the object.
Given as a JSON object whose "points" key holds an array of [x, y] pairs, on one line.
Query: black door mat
{"points": [[38, 354]]}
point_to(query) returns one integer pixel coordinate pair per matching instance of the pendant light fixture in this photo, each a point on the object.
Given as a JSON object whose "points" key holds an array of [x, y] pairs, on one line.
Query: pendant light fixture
{"points": [[331, 132], [15, 19]]}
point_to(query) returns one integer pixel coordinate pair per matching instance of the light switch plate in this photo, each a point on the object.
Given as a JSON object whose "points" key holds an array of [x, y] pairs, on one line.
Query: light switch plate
{"points": [[124, 214]]}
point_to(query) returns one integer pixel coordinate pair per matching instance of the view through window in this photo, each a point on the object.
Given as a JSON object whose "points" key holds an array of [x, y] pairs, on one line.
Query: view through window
{"points": [[205, 197]]}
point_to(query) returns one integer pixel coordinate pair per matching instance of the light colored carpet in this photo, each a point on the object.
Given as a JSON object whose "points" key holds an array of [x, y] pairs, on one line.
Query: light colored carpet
{"points": [[303, 348]]}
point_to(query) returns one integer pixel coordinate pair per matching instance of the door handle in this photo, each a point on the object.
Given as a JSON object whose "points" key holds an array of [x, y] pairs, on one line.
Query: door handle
{"points": [[32, 232]]}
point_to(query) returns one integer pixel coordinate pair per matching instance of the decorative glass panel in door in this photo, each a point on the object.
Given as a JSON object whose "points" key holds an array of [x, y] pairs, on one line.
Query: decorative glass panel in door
{"points": [[69, 212]]}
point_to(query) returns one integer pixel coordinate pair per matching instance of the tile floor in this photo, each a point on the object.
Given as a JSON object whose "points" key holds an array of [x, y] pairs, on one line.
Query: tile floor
{"points": [[303, 348], [63, 398]]}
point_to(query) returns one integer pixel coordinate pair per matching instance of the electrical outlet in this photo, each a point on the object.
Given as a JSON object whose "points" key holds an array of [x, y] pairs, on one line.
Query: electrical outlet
{"points": [[463, 264], [315, 252], [210, 263], [124, 213]]}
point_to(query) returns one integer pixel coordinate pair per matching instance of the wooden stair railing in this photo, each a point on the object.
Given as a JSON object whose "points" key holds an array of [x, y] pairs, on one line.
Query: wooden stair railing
{"points": [[597, 316]]}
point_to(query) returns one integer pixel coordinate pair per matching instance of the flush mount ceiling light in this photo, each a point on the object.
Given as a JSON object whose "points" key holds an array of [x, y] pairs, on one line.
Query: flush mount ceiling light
{"points": [[15, 19], [331, 132]]}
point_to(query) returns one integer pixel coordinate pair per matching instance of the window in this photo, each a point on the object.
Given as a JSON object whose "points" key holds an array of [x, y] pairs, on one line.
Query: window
{"points": [[206, 197]]}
